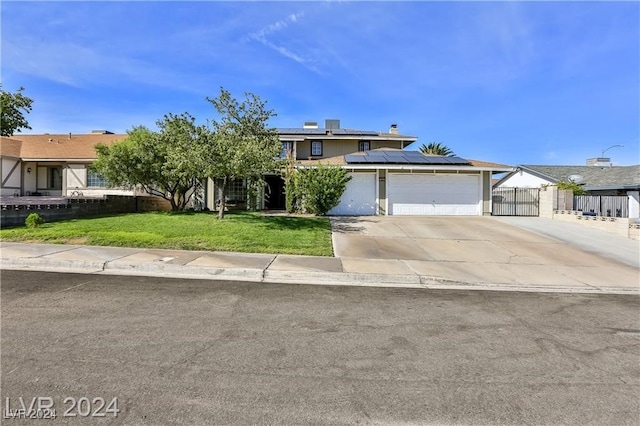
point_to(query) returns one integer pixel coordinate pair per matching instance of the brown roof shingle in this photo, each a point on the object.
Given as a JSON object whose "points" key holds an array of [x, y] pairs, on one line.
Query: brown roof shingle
{"points": [[57, 147], [10, 147]]}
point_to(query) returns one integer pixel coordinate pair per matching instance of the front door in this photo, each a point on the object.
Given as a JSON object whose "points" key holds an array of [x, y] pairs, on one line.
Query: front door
{"points": [[274, 195]]}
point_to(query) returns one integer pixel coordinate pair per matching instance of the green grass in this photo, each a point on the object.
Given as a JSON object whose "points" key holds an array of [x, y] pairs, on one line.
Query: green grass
{"points": [[241, 232]]}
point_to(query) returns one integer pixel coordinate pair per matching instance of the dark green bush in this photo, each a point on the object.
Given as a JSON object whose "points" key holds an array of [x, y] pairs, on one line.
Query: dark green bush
{"points": [[33, 220], [317, 190]]}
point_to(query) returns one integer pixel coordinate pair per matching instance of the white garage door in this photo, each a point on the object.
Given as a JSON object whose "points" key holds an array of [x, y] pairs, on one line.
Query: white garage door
{"points": [[359, 199], [419, 195]]}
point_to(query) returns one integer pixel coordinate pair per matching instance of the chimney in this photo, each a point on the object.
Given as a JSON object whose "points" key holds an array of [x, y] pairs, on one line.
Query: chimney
{"points": [[310, 125], [394, 129], [599, 162]]}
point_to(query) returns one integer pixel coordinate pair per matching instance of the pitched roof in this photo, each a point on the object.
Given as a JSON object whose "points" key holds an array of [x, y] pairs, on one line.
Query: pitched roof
{"points": [[593, 177], [10, 147], [56, 147]]}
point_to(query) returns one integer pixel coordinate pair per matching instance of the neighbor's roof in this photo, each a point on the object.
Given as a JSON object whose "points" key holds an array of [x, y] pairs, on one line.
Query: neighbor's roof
{"points": [[56, 147], [10, 147], [593, 177]]}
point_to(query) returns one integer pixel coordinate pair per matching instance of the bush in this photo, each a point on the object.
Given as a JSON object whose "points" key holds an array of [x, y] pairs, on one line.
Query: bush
{"points": [[33, 220], [317, 190]]}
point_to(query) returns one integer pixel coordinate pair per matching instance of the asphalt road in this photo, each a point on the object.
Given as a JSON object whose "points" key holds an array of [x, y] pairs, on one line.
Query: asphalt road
{"points": [[196, 352]]}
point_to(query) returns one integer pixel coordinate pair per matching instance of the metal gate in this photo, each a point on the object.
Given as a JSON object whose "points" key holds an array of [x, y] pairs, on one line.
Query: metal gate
{"points": [[516, 201]]}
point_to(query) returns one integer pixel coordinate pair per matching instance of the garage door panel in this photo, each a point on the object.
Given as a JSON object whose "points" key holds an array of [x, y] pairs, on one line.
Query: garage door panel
{"points": [[359, 198], [420, 195]]}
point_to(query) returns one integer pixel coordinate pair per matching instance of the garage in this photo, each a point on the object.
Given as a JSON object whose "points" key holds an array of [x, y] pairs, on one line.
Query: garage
{"points": [[433, 194], [359, 198]]}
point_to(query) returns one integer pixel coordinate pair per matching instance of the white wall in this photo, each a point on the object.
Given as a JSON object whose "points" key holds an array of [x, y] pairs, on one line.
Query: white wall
{"points": [[29, 184], [10, 176], [634, 204], [522, 179], [76, 176]]}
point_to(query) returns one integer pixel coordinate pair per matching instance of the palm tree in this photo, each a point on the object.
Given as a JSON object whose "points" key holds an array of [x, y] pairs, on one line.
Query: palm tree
{"points": [[436, 148]]}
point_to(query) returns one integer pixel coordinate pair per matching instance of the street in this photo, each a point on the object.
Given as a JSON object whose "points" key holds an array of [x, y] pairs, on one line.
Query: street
{"points": [[175, 351]]}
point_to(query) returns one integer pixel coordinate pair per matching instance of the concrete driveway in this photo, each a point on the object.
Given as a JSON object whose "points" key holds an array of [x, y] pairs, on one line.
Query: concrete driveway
{"points": [[437, 238], [479, 249]]}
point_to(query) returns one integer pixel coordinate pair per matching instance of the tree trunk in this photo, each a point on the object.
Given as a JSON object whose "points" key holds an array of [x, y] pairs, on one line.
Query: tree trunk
{"points": [[222, 194], [174, 206]]}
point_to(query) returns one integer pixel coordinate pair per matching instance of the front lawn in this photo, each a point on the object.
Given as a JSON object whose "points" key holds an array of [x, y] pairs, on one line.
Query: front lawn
{"points": [[241, 232]]}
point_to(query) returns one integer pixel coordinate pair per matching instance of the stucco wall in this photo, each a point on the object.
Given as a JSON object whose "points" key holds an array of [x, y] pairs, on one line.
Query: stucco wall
{"points": [[334, 148], [522, 179]]}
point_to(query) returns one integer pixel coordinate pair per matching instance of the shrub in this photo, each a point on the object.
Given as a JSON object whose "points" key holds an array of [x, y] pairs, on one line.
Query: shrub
{"points": [[33, 220], [317, 190]]}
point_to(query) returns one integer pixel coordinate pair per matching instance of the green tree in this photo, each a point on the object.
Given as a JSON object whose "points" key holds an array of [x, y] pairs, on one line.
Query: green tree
{"points": [[167, 164], [577, 189], [13, 107], [318, 189], [436, 148], [241, 146]]}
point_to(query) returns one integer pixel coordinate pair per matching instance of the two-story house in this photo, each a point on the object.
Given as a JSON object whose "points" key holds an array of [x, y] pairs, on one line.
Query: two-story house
{"points": [[385, 178]]}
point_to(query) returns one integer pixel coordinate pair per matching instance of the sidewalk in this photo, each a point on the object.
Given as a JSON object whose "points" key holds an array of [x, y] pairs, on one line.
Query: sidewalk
{"points": [[605, 277]]}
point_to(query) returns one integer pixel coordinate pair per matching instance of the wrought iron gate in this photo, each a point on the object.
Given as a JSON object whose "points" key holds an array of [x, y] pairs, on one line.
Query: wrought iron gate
{"points": [[516, 201]]}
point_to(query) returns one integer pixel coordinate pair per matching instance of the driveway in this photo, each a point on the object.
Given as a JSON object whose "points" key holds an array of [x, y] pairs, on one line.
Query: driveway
{"points": [[451, 243]]}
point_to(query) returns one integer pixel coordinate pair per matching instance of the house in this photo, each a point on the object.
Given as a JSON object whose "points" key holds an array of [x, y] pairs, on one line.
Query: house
{"points": [[600, 178], [54, 165], [385, 178], [390, 181]]}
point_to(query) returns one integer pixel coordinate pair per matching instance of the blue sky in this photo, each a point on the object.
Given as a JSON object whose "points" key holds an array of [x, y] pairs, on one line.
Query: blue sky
{"points": [[508, 82]]}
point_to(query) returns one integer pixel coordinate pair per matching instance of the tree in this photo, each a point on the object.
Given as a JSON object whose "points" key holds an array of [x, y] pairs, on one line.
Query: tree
{"points": [[13, 107], [168, 164], [318, 189], [241, 146], [577, 189], [436, 148]]}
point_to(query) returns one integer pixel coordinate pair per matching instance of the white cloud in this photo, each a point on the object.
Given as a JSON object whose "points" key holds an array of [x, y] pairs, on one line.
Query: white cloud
{"points": [[262, 37]]}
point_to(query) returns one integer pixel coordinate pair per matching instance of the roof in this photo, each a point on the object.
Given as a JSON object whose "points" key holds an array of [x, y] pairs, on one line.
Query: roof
{"points": [[401, 157], [10, 147], [379, 158], [340, 134], [593, 177], [56, 147]]}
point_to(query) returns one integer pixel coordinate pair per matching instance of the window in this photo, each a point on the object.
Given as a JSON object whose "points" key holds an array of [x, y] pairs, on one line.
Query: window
{"points": [[364, 146], [95, 179], [236, 191], [316, 148], [287, 149]]}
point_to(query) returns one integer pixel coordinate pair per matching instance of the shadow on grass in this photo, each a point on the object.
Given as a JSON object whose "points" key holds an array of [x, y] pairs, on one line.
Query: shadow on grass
{"points": [[282, 222]]}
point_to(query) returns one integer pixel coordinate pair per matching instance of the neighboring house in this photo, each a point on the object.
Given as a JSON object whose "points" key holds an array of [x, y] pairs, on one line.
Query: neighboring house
{"points": [[385, 179], [54, 165], [595, 179]]}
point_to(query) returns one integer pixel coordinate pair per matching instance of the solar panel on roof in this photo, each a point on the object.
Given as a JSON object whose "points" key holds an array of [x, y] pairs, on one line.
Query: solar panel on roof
{"points": [[403, 157]]}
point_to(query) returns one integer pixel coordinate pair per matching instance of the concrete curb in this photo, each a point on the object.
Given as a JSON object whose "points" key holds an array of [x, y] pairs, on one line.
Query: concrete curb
{"points": [[162, 270]]}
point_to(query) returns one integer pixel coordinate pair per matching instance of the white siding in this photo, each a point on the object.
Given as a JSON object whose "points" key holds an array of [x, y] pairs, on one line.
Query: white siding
{"points": [[522, 179]]}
